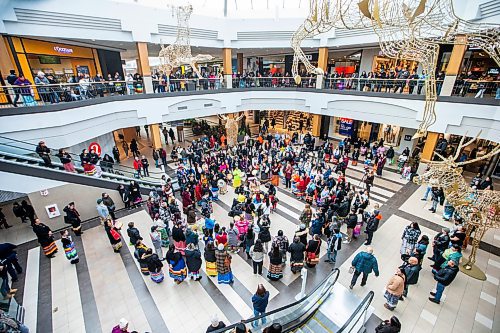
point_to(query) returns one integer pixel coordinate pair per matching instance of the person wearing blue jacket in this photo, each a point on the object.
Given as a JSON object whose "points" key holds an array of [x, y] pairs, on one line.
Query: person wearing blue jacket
{"points": [[364, 262], [260, 301]]}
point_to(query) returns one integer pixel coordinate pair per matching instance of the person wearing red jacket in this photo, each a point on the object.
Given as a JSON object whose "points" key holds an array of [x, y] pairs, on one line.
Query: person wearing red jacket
{"points": [[137, 166]]}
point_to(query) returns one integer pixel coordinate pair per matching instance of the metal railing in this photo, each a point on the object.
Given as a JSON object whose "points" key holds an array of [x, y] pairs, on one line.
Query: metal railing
{"points": [[463, 88], [273, 82], [21, 149], [358, 318], [295, 314], [34, 95]]}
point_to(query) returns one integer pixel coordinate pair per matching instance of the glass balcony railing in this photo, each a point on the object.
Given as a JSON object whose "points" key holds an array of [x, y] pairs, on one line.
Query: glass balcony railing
{"points": [[35, 95]]}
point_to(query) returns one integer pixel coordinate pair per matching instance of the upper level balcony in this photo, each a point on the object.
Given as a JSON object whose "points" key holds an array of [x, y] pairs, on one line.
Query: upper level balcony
{"points": [[67, 114]]}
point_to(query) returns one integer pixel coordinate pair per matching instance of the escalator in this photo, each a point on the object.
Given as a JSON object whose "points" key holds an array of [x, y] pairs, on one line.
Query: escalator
{"points": [[328, 308], [18, 157]]}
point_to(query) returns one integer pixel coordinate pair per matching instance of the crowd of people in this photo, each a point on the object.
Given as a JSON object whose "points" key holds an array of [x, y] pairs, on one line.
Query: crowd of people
{"points": [[186, 235]]}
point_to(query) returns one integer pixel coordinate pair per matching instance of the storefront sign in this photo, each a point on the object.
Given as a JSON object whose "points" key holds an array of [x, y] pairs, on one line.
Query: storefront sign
{"points": [[346, 126], [96, 147], [63, 50], [407, 137]]}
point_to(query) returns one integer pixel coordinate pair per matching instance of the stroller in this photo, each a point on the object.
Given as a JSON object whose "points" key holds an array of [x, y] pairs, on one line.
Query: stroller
{"points": [[215, 193], [222, 185]]}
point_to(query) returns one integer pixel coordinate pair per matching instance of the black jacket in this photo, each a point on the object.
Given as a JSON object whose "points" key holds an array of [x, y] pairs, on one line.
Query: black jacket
{"points": [[412, 273], [352, 220], [441, 241], [372, 224], [134, 235], [296, 252], [446, 275], [193, 260]]}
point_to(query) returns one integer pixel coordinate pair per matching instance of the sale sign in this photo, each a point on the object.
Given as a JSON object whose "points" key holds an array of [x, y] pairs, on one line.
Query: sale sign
{"points": [[96, 147], [346, 126]]}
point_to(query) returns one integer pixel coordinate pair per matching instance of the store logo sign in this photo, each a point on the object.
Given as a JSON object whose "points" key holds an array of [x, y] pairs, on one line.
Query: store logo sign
{"points": [[346, 126], [63, 50]]}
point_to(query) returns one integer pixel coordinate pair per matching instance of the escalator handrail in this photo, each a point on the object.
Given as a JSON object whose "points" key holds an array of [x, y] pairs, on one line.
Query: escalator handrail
{"points": [[246, 321], [365, 303], [108, 175], [56, 150], [32, 152]]}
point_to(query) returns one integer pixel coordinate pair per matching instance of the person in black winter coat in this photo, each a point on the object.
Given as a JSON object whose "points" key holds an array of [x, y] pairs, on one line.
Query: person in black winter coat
{"points": [[19, 211], [412, 272], [8, 256], [440, 244], [389, 326], [133, 233], [352, 220], [29, 210], [3, 220], [297, 250], [444, 278], [193, 262], [372, 226]]}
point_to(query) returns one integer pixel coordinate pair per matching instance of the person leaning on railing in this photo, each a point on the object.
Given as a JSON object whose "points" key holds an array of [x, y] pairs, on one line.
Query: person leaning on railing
{"points": [[26, 91], [11, 79]]}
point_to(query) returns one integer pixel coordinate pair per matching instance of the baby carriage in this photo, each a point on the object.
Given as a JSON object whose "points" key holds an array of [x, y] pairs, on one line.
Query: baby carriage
{"points": [[215, 193], [401, 162], [222, 185]]}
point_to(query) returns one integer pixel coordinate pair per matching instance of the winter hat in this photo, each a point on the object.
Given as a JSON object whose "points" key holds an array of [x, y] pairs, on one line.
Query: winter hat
{"points": [[215, 320], [123, 323], [99, 201]]}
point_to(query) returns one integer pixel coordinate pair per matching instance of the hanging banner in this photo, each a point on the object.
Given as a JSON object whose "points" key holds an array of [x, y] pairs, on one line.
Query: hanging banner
{"points": [[346, 126]]}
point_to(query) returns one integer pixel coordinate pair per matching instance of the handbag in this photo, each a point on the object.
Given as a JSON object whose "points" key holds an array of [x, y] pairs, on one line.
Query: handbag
{"points": [[351, 270], [115, 234]]}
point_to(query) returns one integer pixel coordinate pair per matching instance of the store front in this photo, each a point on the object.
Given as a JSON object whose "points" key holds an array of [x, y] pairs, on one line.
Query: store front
{"points": [[62, 61], [389, 64], [344, 127]]}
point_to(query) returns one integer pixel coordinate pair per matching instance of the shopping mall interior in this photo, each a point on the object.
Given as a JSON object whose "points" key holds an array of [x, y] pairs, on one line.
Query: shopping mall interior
{"points": [[190, 166]]}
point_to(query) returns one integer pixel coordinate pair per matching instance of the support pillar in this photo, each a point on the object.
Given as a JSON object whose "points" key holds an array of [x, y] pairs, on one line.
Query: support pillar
{"points": [[492, 165], [430, 144], [129, 133], [143, 67], [239, 58], [155, 136], [454, 65], [228, 68], [323, 64], [316, 125]]}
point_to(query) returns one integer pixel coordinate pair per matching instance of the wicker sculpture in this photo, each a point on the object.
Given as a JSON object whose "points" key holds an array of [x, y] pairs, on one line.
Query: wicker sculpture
{"points": [[407, 29], [179, 53], [231, 129], [479, 208]]}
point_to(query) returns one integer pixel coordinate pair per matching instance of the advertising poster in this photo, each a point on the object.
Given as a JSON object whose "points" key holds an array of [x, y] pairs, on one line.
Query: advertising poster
{"points": [[346, 126]]}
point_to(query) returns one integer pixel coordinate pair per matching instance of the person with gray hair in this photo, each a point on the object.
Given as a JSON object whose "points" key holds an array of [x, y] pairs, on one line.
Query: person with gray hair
{"points": [[215, 325], [364, 262]]}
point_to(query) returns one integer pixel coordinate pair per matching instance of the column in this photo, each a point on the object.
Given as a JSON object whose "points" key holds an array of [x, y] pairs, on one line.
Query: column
{"points": [[454, 65], [492, 165], [129, 133], [239, 58], [323, 64], [430, 144], [154, 129], [6, 65], [316, 125], [228, 68], [143, 67]]}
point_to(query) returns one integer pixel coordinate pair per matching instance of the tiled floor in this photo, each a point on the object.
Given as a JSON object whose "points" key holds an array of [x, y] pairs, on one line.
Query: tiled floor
{"points": [[114, 287], [468, 306]]}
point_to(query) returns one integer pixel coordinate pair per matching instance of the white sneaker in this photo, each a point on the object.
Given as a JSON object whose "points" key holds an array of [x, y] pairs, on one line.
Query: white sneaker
{"points": [[346, 242]]}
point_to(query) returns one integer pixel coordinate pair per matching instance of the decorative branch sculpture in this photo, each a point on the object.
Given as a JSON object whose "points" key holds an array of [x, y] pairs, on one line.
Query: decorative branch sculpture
{"points": [[407, 29], [479, 208], [179, 53], [231, 129]]}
